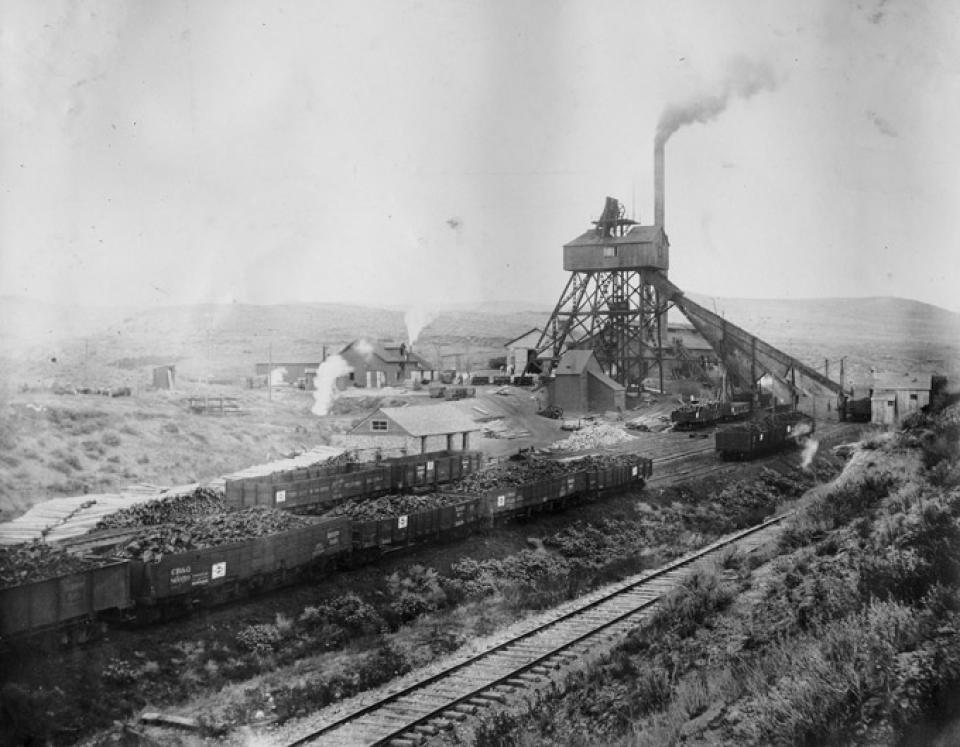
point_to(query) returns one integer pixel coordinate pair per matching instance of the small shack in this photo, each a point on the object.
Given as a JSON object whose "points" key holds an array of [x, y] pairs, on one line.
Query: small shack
{"points": [[893, 397], [379, 364], [580, 385], [165, 377], [396, 431], [522, 353]]}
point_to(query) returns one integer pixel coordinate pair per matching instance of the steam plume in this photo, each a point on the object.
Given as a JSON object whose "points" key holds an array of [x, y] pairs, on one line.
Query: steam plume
{"points": [[809, 451], [277, 376], [416, 319], [364, 348], [325, 384], [744, 79]]}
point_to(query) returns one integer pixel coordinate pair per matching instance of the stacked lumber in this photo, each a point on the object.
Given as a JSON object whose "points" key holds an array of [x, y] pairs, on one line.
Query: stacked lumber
{"points": [[37, 561], [153, 542], [326, 455], [198, 504]]}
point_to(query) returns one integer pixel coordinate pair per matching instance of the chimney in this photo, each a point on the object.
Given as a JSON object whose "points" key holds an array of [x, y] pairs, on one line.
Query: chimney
{"points": [[658, 184]]}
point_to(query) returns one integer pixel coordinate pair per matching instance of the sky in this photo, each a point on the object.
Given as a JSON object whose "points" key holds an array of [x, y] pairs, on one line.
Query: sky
{"points": [[431, 152]]}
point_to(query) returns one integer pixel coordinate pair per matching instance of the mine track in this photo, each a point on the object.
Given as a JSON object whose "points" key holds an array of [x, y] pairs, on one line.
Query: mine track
{"points": [[418, 711]]}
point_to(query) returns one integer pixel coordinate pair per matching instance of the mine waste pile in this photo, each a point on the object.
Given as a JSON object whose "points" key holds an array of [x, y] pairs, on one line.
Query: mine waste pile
{"points": [[152, 543], [38, 561], [200, 503], [506, 474]]}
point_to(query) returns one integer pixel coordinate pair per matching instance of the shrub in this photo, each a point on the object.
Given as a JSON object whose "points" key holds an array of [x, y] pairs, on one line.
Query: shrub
{"points": [[110, 439], [416, 592]]}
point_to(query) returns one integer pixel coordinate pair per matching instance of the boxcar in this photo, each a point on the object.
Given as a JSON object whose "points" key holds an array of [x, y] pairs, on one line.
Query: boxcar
{"points": [[66, 604]]}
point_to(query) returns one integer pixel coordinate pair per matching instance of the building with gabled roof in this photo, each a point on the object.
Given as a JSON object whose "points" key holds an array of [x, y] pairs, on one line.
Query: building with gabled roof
{"points": [[580, 385], [378, 364], [894, 396], [413, 430]]}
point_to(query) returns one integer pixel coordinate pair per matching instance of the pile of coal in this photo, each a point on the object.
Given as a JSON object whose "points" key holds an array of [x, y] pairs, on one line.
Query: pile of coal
{"points": [[38, 561], [200, 503], [220, 529], [390, 506]]}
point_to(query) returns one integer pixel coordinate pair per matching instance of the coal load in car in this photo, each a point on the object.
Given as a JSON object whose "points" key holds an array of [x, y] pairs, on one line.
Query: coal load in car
{"points": [[36, 561], [200, 503], [237, 526]]}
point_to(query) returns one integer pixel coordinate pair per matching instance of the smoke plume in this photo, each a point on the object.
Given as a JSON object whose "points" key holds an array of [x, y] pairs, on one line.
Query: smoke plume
{"points": [[325, 384], [744, 79], [416, 319]]}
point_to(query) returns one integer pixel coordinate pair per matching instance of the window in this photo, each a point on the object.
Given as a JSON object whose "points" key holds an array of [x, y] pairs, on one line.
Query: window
{"points": [[913, 397], [609, 251], [379, 425]]}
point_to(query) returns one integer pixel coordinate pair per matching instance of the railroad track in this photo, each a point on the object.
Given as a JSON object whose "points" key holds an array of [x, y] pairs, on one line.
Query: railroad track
{"points": [[498, 675]]}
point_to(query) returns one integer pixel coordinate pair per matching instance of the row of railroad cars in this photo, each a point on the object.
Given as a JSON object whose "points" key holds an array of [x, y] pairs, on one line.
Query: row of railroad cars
{"points": [[70, 607]]}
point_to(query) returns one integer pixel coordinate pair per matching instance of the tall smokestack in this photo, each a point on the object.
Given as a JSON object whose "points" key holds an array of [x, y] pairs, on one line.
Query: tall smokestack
{"points": [[658, 178]]}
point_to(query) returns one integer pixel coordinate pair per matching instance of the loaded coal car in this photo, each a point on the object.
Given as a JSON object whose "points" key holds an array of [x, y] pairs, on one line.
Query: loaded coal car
{"points": [[702, 414], [56, 597], [324, 487], [166, 584], [695, 415], [764, 436]]}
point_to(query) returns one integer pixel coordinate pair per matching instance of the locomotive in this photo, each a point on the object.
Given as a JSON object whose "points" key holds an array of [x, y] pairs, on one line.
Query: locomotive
{"points": [[73, 607]]}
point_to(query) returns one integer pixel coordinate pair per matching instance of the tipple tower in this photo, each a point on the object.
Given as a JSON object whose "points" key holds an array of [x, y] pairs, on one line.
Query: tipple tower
{"points": [[609, 304]]}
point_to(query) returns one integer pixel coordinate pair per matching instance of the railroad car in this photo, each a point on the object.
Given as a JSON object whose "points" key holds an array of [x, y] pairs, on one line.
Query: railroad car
{"points": [[771, 433], [180, 581], [700, 415], [325, 487], [67, 607], [135, 590]]}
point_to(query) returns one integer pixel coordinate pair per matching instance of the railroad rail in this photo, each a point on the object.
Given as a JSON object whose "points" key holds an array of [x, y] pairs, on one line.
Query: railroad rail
{"points": [[434, 703]]}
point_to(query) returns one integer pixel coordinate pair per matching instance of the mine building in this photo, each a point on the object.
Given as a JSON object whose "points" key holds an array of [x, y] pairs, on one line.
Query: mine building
{"points": [[522, 352], [893, 396], [398, 431], [580, 385], [379, 364]]}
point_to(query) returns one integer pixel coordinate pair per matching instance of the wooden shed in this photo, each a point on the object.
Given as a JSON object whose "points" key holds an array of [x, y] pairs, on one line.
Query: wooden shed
{"points": [[414, 430], [580, 385], [165, 377], [522, 352], [893, 397]]}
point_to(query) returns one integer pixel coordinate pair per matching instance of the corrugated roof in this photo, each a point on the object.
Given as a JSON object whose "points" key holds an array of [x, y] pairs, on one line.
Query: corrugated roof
{"points": [[573, 362], [430, 420], [903, 381], [636, 235]]}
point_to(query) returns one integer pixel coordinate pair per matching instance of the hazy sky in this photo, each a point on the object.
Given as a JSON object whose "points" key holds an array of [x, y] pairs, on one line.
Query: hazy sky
{"points": [[444, 150]]}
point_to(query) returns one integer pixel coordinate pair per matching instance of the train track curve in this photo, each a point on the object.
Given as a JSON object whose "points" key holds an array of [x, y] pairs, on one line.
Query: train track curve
{"points": [[425, 707]]}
